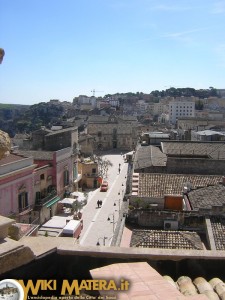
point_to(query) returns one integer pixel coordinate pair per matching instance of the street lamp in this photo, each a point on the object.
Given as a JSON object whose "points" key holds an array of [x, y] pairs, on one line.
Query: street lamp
{"points": [[121, 190], [101, 238], [119, 204], [113, 221]]}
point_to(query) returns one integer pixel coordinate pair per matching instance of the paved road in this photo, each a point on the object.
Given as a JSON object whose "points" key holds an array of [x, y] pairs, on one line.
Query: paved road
{"points": [[97, 228]]}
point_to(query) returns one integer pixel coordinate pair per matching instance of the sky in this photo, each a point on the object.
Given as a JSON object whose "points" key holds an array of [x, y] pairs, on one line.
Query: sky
{"points": [[65, 48]]}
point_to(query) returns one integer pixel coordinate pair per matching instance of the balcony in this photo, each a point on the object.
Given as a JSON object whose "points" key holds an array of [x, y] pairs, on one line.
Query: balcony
{"points": [[45, 200], [25, 210]]}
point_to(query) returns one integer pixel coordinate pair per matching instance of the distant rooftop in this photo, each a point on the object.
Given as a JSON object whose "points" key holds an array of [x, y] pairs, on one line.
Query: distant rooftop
{"points": [[210, 132], [105, 119], [38, 155], [53, 132], [148, 156], [12, 157], [213, 150]]}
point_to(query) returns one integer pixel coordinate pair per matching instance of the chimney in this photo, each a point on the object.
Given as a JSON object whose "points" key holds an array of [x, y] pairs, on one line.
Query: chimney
{"points": [[223, 180]]}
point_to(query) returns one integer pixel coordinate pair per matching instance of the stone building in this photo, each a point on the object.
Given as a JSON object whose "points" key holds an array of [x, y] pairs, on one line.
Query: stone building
{"points": [[50, 140], [89, 172], [193, 203], [207, 135], [86, 144], [165, 191], [188, 123], [181, 157], [113, 132]]}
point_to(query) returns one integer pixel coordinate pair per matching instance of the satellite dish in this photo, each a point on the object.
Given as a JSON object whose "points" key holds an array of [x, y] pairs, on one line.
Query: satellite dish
{"points": [[2, 53]]}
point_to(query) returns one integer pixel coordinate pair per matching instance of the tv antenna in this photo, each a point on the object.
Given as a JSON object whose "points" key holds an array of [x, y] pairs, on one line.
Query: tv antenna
{"points": [[94, 91]]}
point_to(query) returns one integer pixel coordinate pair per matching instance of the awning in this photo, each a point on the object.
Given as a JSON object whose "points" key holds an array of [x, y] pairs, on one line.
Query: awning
{"points": [[67, 201], [53, 201]]}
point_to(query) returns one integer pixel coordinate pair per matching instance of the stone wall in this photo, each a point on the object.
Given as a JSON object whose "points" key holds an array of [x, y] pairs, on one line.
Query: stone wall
{"points": [[155, 219], [199, 166], [57, 141]]}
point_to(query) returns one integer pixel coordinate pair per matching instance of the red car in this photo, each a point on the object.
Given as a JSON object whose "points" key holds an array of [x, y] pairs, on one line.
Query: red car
{"points": [[104, 186]]}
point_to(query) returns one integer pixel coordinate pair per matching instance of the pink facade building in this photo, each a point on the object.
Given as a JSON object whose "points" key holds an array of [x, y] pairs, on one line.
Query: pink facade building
{"points": [[54, 177], [16, 185]]}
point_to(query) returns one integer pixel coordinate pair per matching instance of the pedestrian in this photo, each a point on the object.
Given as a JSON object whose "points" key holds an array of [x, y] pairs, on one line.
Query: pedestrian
{"points": [[119, 170], [98, 203]]}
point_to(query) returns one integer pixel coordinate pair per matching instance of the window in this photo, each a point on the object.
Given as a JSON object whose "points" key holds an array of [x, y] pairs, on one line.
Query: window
{"points": [[94, 171], [75, 172], [49, 189], [66, 177], [23, 201], [42, 177], [99, 134], [38, 196]]}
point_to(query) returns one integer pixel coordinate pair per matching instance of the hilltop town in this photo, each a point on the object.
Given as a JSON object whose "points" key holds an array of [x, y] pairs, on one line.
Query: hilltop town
{"points": [[122, 179]]}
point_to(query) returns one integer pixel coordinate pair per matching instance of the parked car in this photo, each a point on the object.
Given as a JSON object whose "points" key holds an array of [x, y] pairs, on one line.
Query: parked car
{"points": [[104, 186]]}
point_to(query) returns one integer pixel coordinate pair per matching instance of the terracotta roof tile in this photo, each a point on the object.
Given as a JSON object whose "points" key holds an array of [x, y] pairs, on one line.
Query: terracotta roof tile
{"points": [[158, 185], [213, 150], [165, 239], [12, 158]]}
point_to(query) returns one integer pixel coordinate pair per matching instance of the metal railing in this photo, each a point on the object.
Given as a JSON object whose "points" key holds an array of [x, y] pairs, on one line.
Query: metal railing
{"points": [[42, 201], [27, 208]]}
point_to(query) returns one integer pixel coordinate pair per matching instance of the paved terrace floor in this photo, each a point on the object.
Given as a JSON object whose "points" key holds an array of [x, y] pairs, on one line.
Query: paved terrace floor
{"points": [[145, 283]]}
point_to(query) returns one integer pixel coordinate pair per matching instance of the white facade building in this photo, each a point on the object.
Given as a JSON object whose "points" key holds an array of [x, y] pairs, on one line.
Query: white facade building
{"points": [[181, 109]]}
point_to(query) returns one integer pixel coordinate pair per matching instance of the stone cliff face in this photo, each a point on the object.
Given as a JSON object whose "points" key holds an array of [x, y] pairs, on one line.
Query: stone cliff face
{"points": [[5, 144]]}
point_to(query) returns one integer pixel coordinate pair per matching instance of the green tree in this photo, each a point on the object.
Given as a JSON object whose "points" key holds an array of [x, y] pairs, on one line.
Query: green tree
{"points": [[199, 105]]}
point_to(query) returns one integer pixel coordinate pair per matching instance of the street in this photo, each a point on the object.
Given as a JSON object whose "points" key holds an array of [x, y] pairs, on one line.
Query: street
{"points": [[97, 228]]}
